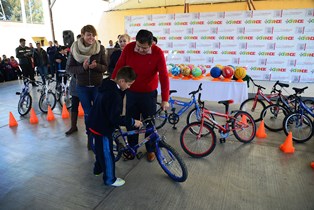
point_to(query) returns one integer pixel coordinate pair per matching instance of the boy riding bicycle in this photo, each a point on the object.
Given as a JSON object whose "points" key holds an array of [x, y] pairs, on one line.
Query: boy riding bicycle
{"points": [[105, 117]]}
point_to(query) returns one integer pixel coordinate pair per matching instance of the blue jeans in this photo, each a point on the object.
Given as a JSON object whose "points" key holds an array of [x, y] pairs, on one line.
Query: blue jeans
{"points": [[43, 71], [87, 96]]}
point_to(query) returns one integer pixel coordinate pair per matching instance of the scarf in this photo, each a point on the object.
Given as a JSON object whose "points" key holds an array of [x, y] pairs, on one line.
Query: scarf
{"points": [[80, 52]]}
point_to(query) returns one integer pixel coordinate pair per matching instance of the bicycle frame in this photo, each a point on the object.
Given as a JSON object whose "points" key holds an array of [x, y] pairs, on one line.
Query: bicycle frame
{"points": [[185, 105], [303, 108]]}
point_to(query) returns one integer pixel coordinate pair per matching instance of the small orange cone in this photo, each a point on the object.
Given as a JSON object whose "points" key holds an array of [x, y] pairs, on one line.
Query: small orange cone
{"points": [[260, 133], [80, 110], [244, 120], [312, 164], [12, 120], [287, 146], [50, 115], [33, 118], [65, 113]]}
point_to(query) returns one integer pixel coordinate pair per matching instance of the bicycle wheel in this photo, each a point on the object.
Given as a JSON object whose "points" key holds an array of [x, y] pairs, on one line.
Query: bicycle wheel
{"points": [[193, 116], [255, 112], [273, 116], [117, 149], [65, 98], [160, 116], [200, 144], [44, 101], [24, 104], [243, 127], [171, 162], [300, 125]]}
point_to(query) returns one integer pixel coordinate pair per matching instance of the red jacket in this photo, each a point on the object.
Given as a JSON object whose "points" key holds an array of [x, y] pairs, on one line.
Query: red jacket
{"points": [[147, 67]]}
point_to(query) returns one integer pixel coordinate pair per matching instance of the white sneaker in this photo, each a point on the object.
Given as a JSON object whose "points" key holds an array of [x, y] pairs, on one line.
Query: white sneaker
{"points": [[118, 183]]}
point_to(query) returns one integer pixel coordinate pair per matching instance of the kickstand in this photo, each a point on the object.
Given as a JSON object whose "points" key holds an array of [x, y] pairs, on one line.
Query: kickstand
{"points": [[174, 127], [139, 155]]}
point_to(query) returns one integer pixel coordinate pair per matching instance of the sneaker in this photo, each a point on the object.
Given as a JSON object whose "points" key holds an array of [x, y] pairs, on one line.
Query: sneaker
{"points": [[151, 156], [118, 183]]}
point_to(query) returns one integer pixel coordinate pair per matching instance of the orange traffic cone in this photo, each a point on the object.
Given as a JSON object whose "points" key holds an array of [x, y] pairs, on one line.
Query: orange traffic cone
{"points": [[244, 120], [65, 113], [260, 133], [287, 146], [12, 120], [50, 115], [80, 110], [312, 164], [33, 118]]}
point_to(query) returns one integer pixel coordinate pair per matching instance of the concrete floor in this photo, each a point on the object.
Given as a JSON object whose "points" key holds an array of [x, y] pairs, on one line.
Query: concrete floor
{"points": [[41, 168]]}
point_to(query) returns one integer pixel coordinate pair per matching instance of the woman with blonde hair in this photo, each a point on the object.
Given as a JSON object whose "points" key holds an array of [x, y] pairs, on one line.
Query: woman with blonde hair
{"points": [[87, 61], [124, 39]]}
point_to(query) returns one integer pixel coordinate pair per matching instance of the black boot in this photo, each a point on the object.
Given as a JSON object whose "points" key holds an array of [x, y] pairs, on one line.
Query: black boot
{"points": [[73, 124]]}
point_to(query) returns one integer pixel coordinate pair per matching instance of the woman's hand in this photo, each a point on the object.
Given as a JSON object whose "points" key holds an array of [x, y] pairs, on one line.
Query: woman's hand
{"points": [[86, 64], [93, 65]]}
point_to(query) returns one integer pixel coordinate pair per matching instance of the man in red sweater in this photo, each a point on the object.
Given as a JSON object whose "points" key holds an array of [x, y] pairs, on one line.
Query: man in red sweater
{"points": [[148, 62]]}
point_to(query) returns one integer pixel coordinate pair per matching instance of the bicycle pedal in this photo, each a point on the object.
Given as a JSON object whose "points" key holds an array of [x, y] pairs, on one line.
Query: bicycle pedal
{"points": [[139, 155], [222, 140]]}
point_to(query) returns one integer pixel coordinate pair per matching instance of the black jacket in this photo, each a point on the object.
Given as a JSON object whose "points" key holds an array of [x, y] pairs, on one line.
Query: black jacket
{"points": [[24, 55], [40, 57], [105, 114]]}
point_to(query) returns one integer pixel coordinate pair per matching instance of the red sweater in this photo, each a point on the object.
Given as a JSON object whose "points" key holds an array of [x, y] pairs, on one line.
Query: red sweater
{"points": [[147, 67]]}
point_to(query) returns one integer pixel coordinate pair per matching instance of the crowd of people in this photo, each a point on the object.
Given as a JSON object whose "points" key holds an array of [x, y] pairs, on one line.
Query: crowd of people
{"points": [[135, 69]]}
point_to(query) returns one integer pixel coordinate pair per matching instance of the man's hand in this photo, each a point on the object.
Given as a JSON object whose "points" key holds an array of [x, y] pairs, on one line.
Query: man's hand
{"points": [[138, 124], [164, 105]]}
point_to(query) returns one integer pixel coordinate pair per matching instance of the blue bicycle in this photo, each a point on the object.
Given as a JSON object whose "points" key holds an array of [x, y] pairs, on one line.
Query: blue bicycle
{"points": [[168, 158], [173, 118], [299, 123]]}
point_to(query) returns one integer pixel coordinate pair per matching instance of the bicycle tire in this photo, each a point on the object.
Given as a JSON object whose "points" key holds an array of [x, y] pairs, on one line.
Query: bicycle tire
{"points": [[43, 104], [171, 162], [192, 117], [292, 123], [243, 133], [200, 144], [160, 116], [273, 116], [65, 98], [247, 106], [24, 104]]}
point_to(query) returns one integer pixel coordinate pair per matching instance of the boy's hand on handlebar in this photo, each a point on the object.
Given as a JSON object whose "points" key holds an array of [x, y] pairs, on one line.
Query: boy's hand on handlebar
{"points": [[138, 123], [165, 105]]}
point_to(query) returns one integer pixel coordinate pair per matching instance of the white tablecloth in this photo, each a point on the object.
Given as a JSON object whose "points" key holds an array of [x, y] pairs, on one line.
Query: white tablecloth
{"points": [[212, 91]]}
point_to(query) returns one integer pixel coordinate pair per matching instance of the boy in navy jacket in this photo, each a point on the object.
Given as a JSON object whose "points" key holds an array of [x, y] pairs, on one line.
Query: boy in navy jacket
{"points": [[105, 117]]}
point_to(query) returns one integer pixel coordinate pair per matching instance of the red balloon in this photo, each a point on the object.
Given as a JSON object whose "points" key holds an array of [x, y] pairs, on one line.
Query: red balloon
{"points": [[227, 72]]}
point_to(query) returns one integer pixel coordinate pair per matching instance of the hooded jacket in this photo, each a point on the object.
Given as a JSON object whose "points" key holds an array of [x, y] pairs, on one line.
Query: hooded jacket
{"points": [[105, 114]]}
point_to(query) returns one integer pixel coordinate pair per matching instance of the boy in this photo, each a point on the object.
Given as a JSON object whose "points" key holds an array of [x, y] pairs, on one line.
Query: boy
{"points": [[103, 119]]}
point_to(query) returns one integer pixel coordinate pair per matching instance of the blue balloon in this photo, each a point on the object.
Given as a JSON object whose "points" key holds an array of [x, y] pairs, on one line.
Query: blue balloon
{"points": [[215, 72]]}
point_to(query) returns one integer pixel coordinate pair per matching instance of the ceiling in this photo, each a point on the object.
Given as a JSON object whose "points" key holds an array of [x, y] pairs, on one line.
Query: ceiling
{"points": [[135, 4]]}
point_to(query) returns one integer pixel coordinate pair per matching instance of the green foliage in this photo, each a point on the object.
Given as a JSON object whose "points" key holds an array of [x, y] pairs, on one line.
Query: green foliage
{"points": [[12, 10], [34, 11]]}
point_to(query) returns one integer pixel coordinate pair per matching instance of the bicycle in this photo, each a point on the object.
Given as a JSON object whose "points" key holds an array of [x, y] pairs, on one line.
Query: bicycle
{"points": [[173, 118], [168, 158], [198, 139], [299, 123], [47, 97], [63, 95], [255, 105], [25, 102]]}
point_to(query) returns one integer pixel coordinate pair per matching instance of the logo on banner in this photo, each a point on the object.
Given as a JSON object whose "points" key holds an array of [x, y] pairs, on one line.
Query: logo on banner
{"points": [[175, 38], [306, 38], [266, 53], [286, 54], [307, 54], [226, 37], [177, 52], [253, 68], [295, 70], [247, 53], [197, 23], [161, 38], [278, 21], [311, 20], [233, 22], [253, 22], [245, 38], [228, 52], [208, 38], [211, 52], [164, 24], [295, 21], [190, 38], [264, 38], [285, 38], [180, 23], [193, 52], [149, 24], [135, 24], [278, 69], [214, 22]]}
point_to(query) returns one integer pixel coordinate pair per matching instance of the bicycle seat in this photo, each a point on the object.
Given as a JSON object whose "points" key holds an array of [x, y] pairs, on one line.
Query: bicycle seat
{"points": [[283, 84], [172, 91], [226, 102], [299, 90], [61, 71]]}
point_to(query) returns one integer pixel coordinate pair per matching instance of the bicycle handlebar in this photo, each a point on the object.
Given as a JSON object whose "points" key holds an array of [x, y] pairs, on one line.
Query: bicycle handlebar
{"points": [[258, 86], [196, 91]]}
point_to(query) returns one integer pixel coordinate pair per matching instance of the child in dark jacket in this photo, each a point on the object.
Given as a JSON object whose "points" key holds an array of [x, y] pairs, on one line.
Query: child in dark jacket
{"points": [[105, 117]]}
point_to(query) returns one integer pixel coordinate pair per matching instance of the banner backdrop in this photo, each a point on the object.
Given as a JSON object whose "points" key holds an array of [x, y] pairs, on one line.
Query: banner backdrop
{"points": [[272, 44]]}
